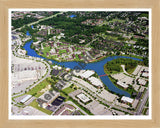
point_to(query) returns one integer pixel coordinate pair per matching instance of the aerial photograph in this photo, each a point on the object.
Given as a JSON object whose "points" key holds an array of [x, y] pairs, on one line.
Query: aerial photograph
{"points": [[79, 63]]}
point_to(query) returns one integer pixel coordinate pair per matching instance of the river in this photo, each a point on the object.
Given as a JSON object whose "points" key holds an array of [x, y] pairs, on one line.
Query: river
{"points": [[96, 66]]}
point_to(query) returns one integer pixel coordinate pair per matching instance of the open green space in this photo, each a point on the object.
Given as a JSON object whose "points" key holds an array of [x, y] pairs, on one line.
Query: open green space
{"points": [[62, 51], [68, 90], [117, 20], [46, 50], [36, 90], [35, 105]]}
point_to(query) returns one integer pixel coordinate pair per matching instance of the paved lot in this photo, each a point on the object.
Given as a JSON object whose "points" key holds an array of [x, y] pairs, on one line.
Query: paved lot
{"points": [[28, 110], [98, 109], [25, 73]]}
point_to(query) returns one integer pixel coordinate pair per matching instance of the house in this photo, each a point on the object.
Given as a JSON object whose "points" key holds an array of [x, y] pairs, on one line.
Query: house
{"points": [[73, 55], [79, 56]]}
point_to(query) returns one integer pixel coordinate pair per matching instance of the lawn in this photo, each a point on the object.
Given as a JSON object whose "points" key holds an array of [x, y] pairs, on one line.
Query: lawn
{"points": [[46, 49], [131, 70], [36, 90], [62, 51], [53, 56], [35, 105], [68, 90], [118, 20], [111, 72]]}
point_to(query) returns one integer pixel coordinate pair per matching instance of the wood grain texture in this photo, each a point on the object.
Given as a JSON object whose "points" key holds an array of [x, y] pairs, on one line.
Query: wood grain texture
{"points": [[6, 4]]}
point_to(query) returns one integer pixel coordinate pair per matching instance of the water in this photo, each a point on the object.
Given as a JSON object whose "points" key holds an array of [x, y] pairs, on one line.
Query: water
{"points": [[72, 16], [96, 66], [28, 34], [32, 26]]}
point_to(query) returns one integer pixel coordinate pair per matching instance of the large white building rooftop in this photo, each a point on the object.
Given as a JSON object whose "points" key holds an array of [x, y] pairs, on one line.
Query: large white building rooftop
{"points": [[127, 99], [87, 74], [95, 81], [26, 98], [145, 74], [142, 81], [83, 98], [122, 84]]}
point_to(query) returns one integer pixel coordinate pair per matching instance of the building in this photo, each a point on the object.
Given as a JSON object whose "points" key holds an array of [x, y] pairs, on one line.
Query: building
{"points": [[21, 52], [95, 81], [127, 100], [142, 81], [66, 109], [49, 96], [26, 99], [52, 51], [87, 74], [83, 98], [36, 43], [123, 85], [145, 74]]}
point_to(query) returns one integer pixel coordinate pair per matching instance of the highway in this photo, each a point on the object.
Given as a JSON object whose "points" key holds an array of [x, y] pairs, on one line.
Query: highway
{"points": [[142, 103], [39, 20]]}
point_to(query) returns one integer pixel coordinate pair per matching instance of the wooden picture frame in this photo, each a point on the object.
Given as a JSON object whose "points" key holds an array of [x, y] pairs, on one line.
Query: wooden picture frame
{"points": [[4, 9]]}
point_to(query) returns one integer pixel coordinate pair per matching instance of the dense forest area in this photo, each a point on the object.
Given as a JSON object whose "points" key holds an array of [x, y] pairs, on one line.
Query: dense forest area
{"points": [[20, 22]]}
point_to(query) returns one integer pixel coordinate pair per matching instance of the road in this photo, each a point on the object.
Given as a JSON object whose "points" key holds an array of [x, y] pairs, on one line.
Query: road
{"points": [[39, 21], [142, 103]]}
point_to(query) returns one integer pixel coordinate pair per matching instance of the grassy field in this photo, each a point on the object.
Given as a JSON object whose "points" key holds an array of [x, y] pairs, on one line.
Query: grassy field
{"points": [[53, 56], [36, 90], [118, 20], [68, 90], [108, 72], [46, 49], [35, 105], [130, 71], [62, 51]]}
